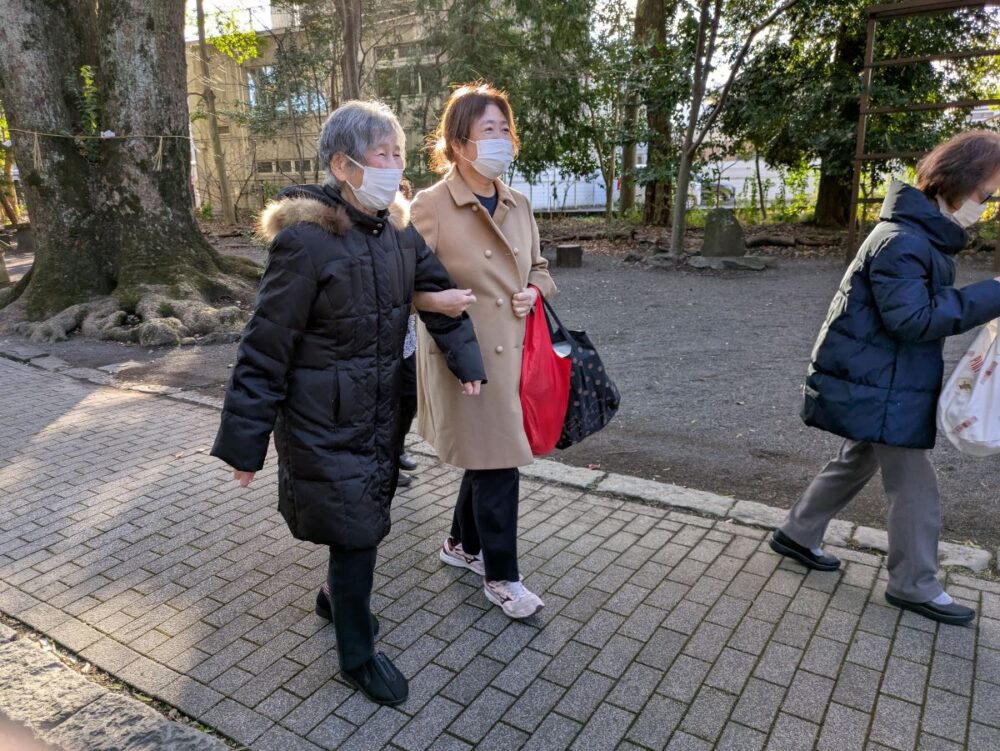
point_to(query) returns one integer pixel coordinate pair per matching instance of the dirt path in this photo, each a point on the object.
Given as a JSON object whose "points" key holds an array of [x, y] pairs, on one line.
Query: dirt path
{"points": [[710, 367]]}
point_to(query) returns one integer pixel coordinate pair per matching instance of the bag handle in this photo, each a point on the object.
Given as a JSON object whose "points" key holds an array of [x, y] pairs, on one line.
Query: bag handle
{"points": [[550, 317]]}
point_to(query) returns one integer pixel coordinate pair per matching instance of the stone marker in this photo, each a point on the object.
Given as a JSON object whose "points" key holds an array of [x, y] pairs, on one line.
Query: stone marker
{"points": [[723, 235], [569, 256]]}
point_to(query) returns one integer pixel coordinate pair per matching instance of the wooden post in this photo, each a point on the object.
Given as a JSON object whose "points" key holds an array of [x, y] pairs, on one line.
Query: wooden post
{"points": [[569, 256]]}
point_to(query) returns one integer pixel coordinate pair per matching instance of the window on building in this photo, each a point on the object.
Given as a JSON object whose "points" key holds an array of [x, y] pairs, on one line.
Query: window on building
{"points": [[304, 165], [285, 165], [265, 167], [269, 91]]}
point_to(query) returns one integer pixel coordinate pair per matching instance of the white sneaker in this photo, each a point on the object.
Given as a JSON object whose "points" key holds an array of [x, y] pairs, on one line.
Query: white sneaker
{"points": [[452, 554], [515, 599]]}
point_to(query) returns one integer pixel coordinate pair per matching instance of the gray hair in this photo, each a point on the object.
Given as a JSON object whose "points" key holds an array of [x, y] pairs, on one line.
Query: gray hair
{"points": [[353, 128]]}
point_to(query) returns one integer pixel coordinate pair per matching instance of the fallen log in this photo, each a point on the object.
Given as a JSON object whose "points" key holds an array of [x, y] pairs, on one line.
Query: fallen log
{"points": [[783, 241], [612, 234]]}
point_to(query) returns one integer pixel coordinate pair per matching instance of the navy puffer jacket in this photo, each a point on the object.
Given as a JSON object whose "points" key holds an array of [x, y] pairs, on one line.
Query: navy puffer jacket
{"points": [[877, 365]]}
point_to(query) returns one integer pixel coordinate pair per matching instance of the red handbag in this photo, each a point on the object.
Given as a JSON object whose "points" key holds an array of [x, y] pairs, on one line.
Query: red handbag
{"points": [[544, 384]]}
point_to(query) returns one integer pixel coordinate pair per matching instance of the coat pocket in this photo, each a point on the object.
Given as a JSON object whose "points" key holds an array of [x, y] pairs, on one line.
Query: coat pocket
{"points": [[343, 397]]}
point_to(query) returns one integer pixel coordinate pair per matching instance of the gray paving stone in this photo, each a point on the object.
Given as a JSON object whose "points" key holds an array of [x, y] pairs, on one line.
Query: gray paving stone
{"points": [[585, 695], [481, 715], [684, 678], [569, 664], [844, 729], [555, 732], [471, 680], [503, 738], [657, 721], [983, 738], [708, 714], [615, 656], [420, 732], [905, 680], [736, 737], [605, 729], [534, 705], [239, 723], [778, 663], [791, 733], [857, 687], [945, 714], [684, 742], [895, 724], [758, 704], [731, 671], [807, 697], [115, 721], [952, 673], [869, 650]]}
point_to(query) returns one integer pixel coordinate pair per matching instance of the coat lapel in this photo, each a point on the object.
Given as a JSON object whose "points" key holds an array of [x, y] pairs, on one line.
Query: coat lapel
{"points": [[462, 195]]}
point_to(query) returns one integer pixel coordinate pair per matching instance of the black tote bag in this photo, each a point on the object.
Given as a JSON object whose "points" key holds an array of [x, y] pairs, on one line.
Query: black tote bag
{"points": [[593, 396]]}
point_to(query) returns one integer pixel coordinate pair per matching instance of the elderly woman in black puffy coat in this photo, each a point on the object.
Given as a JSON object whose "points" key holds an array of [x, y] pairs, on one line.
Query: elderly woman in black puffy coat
{"points": [[319, 363], [877, 365]]}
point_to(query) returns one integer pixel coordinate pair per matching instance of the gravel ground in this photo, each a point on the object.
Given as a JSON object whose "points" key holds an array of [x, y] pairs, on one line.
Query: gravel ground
{"points": [[710, 366]]}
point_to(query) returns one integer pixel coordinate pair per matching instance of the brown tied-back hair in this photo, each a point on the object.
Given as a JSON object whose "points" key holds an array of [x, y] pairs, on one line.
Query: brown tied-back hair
{"points": [[955, 169], [466, 104]]}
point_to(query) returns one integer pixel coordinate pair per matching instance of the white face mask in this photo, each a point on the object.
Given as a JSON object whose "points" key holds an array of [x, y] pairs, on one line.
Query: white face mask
{"points": [[378, 186], [967, 214], [493, 157]]}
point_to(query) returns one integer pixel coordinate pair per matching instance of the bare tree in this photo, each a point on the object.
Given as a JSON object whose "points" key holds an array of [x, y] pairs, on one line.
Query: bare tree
{"points": [[215, 142], [349, 13], [710, 17]]}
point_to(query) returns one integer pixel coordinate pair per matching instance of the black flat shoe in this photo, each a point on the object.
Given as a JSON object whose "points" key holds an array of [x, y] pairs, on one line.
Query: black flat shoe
{"points": [[323, 610], [380, 681], [404, 481], [406, 462], [784, 545], [954, 614]]}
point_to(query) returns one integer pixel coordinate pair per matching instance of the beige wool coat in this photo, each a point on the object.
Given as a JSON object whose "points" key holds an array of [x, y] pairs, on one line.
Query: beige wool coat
{"points": [[495, 257]]}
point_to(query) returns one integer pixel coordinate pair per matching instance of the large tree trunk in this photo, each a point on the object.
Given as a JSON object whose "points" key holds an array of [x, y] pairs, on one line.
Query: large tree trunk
{"points": [[833, 200], [627, 200], [105, 221], [350, 60], [651, 17]]}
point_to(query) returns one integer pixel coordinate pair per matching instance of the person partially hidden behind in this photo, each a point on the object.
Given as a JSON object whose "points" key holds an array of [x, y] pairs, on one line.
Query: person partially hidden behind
{"points": [[877, 365], [319, 363]]}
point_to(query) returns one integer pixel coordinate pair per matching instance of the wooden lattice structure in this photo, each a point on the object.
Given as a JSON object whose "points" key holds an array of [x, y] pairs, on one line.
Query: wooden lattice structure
{"points": [[895, 11]]}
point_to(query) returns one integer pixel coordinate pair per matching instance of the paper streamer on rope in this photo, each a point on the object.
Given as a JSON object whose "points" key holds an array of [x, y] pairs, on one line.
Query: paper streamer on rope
{"points": [[158, 159], [36, 154]]}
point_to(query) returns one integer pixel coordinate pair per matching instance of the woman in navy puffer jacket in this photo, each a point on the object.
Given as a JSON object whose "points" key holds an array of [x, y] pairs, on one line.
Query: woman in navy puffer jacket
{"points": [[877, 365]]}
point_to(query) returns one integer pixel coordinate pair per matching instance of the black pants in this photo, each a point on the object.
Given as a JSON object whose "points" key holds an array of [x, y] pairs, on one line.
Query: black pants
{"points": [[486, 519], [350, 578], [407, 399]]}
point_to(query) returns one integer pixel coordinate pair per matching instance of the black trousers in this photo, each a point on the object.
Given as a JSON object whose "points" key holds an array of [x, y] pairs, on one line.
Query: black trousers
{"points": [[486, 519], [350, 577], [407, 399]]}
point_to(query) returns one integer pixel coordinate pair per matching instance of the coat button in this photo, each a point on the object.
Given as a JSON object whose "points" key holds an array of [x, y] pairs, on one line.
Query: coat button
{"points": [[475, 208], [516, 251], [499, 302], [499, 349], [488, 253]]}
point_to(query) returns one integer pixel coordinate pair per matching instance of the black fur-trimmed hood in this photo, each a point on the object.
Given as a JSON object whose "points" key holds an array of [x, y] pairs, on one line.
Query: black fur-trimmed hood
{"points": [[323, 206]]}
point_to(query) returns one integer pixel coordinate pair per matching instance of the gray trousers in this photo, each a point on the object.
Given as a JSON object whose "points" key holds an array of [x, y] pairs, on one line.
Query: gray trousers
{"points": [[914, 522]]}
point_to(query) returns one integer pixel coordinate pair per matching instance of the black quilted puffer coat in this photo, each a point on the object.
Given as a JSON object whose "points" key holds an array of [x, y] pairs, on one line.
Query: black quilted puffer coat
{"points": [[319, 362]]}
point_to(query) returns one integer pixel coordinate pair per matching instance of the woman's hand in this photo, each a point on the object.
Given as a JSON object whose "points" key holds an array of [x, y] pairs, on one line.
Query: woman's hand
{"points": [[243, 478], [471, 389], [524, 301], [450, 302]]}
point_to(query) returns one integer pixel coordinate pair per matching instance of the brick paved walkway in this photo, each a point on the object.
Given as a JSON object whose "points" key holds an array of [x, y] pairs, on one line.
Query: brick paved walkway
{"points": [[121, 539]]}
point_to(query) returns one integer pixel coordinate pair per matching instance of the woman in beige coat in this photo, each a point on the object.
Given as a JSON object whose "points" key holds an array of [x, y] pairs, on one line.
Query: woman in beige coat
{"points": [[485, 235]]}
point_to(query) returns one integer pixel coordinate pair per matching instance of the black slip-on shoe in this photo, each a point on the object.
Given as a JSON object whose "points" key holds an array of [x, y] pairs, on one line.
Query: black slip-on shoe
{"points": [[380, 681], [953, 614], [406, 462], [404, 481], [784, 545], [324, 610]]}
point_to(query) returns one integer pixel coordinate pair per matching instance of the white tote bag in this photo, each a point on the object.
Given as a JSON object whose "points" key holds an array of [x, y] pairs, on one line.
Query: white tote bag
{"points": [[969, 407]]}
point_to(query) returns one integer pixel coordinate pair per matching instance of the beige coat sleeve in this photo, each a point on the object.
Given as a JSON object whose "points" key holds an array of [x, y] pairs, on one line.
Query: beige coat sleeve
{"points": [[539, 274], [423, 215]]}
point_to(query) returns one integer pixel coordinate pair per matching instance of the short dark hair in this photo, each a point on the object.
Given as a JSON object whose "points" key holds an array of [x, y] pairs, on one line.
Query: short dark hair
{"points": [[957, 167], [465, 105]]}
